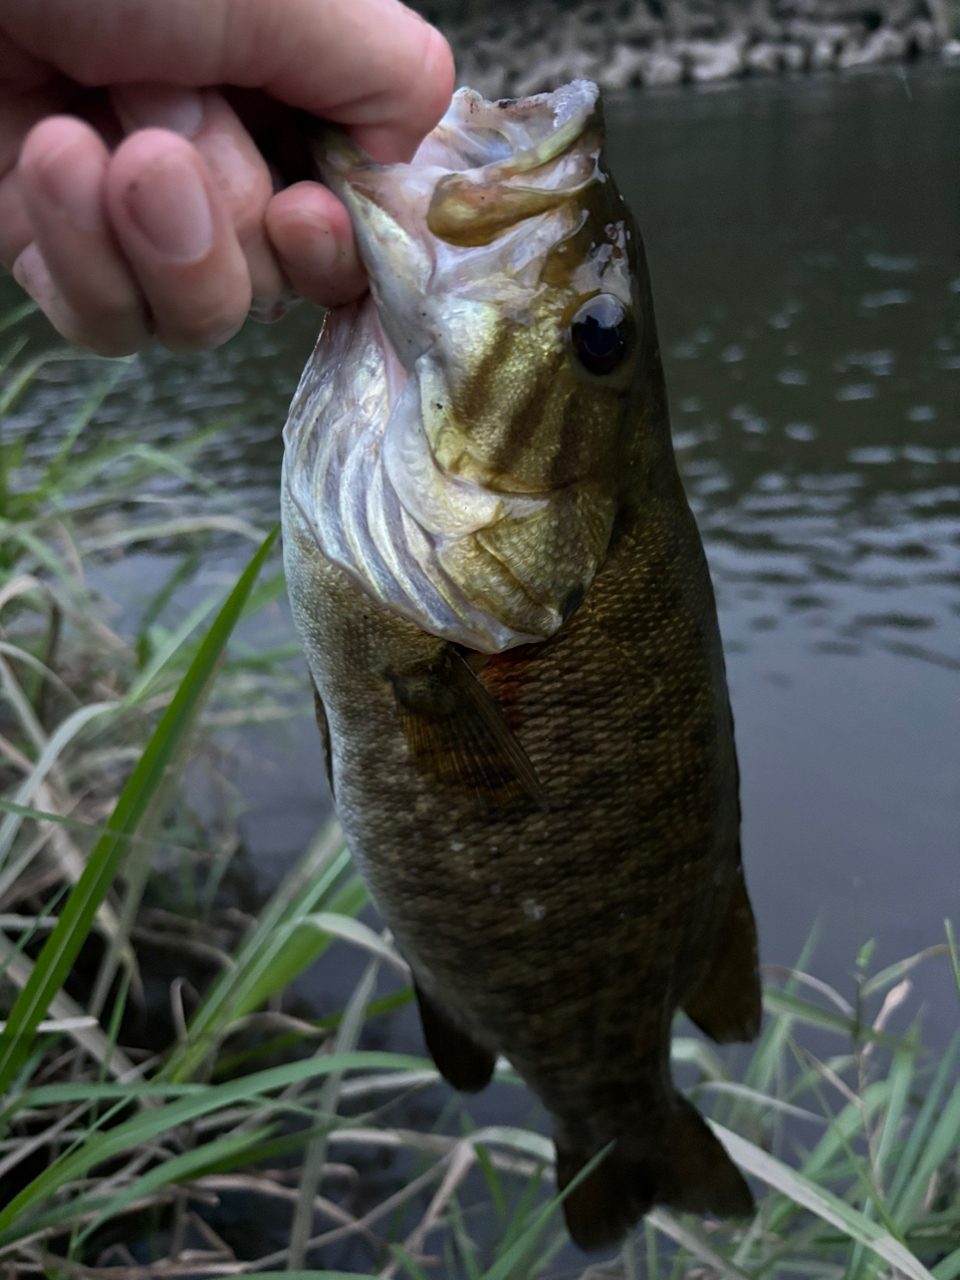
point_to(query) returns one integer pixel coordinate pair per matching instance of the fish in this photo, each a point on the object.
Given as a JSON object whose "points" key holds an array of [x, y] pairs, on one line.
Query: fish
{"points": [[508, 618]]}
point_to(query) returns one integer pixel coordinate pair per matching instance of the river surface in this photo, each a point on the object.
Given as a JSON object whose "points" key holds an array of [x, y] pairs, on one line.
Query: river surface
{"points": [[803, 242]]}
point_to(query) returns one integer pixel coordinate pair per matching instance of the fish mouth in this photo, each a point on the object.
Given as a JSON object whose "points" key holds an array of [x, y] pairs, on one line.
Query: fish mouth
{"points": [[486, 166], [488, 195], [487, 169]]}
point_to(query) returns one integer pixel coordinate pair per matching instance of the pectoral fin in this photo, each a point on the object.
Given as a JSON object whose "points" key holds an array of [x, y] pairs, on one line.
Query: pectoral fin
{"points": [[458, 734]]}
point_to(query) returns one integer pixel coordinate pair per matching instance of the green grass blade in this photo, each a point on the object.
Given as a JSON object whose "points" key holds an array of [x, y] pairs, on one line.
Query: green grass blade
{"points": [[954, 955], [822, 1203], [493, 1181], [942, 1142], [149, 1124], [948, 1268], [900, 1079], [504, 1266], [921, 1127], [895, 972], [13, 317], [231, 1149], [783, 1003], [694, 1240], [189, 1164], [277, 949], [96, 396], [844, 1126], [65, 732], [60, 951]]}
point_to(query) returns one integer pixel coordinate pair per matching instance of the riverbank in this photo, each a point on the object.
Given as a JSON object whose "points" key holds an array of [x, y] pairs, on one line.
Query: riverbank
{"points": [[512, 52]]}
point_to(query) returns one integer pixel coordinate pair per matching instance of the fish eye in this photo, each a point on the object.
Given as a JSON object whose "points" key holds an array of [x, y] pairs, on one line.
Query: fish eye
{"points": [[599, 332]]}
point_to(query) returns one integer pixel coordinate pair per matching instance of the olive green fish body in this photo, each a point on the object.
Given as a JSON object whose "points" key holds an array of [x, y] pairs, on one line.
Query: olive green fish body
{"points": [[551, 828]]}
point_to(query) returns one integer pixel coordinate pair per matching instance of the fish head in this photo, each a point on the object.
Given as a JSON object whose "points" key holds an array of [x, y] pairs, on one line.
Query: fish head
{"points": [[509, 316]]}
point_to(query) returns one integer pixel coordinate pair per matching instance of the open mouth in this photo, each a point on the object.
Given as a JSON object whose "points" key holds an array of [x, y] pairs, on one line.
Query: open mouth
{"points": [[484, 168]]}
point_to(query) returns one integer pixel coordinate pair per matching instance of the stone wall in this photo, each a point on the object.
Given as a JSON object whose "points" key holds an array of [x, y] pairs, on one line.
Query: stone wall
{"points": [[511, 50]]}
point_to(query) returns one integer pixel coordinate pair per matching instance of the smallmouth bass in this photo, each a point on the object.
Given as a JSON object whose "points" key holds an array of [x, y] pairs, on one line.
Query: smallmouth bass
{"points": [[507, 615]]}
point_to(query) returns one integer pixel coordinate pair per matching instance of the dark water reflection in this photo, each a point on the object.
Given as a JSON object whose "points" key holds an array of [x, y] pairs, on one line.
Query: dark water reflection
{"points": [[803, 240]]}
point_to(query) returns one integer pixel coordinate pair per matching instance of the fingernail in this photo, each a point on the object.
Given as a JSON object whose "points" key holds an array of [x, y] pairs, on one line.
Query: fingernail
{"points": [[32, 275], [157, 106], [71, 178], [170, 208], [269, 311]]}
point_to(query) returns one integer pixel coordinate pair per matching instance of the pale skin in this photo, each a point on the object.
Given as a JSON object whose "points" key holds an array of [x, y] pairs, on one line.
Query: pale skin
{"points": [[134, 199]]}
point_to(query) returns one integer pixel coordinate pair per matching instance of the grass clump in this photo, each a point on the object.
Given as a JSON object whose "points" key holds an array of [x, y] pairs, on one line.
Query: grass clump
{"points": [[133, 1158]]}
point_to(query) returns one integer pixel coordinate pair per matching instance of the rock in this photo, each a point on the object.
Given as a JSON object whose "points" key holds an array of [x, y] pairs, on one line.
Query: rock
{"points": [[764, 59], [885, 45], [550, 73], [662, 69], [898, 13], [921, 37], [823, 55], [625, 68], [640, 26], [716, 59], [689, 21], [794, 57], [505, 48], [823, 39]]}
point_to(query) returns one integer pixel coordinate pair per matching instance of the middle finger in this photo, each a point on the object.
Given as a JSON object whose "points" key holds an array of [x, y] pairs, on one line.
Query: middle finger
{"points": [[241, 174], [177, 236]]}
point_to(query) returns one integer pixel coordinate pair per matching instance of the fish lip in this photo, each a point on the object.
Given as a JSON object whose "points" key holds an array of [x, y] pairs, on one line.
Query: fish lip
{"points": [[568, 110], [526, 148]]}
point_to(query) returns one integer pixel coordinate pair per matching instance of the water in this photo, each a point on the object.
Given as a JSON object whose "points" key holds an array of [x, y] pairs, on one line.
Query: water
{"points": [[803, 239], [803, 246]]}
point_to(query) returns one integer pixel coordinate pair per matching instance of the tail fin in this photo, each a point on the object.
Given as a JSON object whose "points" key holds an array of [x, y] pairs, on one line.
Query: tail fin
{"points": [[688, 1170]]}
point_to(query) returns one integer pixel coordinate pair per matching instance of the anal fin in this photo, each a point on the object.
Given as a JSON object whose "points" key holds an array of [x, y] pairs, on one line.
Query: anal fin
{"points": [[725, 1003], [458, 734], [461, 1061]]}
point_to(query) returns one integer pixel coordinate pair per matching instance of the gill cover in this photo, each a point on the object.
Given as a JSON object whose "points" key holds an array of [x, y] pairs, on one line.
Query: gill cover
{"points": [[445, 446]]}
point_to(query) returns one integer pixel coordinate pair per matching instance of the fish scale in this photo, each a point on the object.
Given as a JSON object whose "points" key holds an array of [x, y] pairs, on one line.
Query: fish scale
{"points": [[550, 829]]}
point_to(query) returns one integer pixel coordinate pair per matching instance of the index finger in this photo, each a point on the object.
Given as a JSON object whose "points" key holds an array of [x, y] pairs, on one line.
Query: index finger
{"points": [[372, 65]]}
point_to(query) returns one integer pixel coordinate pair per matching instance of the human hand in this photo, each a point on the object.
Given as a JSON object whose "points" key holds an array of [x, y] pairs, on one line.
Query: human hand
{"points": [[136, 197]]}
